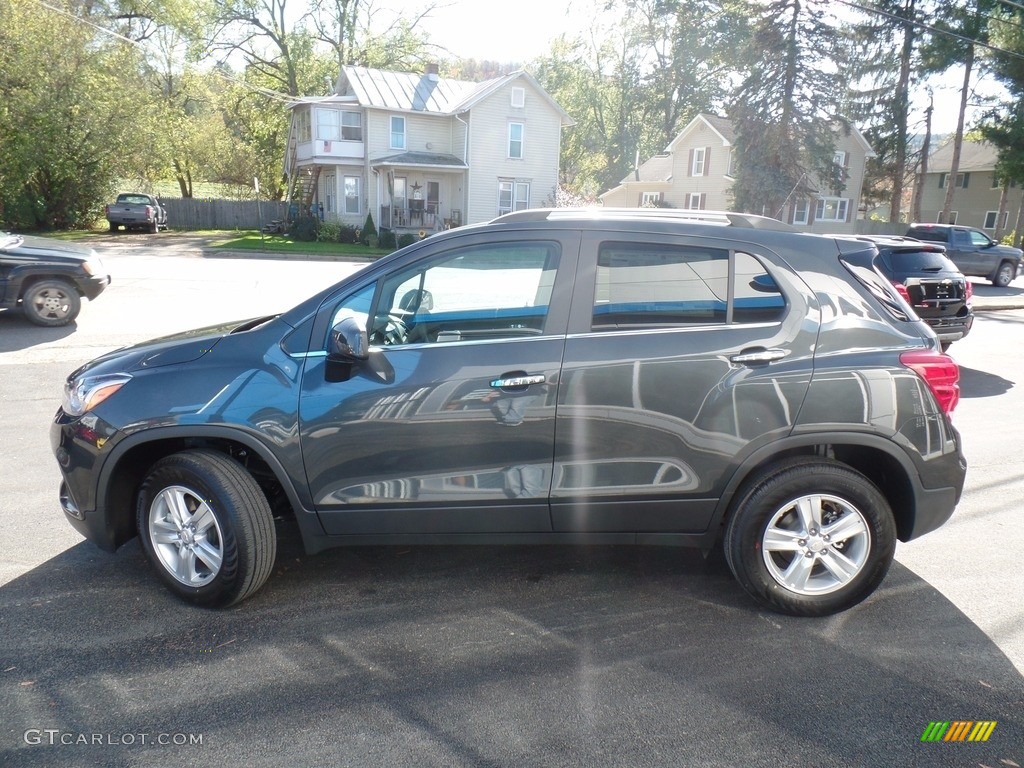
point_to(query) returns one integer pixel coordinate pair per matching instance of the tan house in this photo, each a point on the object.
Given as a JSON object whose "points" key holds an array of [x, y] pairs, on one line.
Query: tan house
{"points": [[418, 151], [976, 192], [697, 169]]}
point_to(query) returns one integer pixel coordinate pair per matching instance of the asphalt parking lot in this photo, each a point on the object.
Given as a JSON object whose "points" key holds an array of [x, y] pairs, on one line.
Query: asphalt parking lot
{"points": [[462, 656]]}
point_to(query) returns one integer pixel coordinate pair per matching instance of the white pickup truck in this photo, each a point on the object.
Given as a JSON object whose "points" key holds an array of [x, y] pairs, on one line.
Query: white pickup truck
{"points": [[136, 210]]}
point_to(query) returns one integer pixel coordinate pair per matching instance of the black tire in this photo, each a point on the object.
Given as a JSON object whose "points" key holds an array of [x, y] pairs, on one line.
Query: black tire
{"points": [[113, 226], [154, 228], [224, 550], [51, 303], [1004, 275], [766, 541]]}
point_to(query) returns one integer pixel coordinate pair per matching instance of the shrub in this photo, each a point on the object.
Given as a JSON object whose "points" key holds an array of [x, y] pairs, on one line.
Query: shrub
{"points": [[407, 239], [368, 230], [386, 238], [328, 231], [347, 234], [305, 229]]}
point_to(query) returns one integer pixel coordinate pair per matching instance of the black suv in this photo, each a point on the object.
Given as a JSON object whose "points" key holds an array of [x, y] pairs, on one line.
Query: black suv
{"points": [[48, 278], [930, 282], [615, 377]]}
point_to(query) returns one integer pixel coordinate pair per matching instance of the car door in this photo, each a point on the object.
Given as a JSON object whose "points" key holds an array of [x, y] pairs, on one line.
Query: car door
{"points": [[964, 253], [448, 425], [683, 356]]}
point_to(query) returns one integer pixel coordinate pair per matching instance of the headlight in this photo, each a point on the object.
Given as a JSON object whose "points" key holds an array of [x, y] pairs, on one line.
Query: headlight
{"points": [[93, 266], [86, 392]]}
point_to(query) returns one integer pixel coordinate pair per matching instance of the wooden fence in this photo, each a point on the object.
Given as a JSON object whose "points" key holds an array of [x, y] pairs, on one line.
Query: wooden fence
{"points": [[208, 213]]}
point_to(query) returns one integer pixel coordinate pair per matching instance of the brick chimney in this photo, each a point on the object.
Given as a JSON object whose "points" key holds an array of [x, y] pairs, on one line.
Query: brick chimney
{"points": [[431, 71]]}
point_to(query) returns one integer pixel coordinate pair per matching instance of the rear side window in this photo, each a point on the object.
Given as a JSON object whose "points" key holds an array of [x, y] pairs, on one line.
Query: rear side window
{"points": [[653, 285]]}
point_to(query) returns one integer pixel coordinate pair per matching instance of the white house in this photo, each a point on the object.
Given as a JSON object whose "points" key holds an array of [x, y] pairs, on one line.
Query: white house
{"points": [[697, 171], [418, 151]]}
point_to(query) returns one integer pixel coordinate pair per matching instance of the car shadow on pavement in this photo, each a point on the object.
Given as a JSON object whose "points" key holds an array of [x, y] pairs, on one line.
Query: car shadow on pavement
{"points": [[452, 656], [974, 383], [17, 333]]}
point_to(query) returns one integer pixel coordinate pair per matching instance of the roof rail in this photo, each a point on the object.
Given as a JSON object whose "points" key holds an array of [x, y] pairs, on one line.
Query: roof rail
{"points": [[723, 218]]}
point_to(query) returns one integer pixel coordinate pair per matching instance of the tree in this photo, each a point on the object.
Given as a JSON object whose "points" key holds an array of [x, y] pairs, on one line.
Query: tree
{"points": [[785, 107], [887, 39], [68, 132]]}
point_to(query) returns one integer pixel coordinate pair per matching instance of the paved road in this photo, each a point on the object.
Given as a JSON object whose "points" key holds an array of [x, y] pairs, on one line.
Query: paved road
{"points": [[522, 656]]}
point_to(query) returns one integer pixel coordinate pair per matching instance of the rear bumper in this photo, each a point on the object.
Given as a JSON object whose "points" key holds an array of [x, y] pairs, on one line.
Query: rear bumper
{"points": [[951, 328]]}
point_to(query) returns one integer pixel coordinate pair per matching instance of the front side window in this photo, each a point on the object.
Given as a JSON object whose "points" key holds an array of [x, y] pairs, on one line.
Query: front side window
{"points": [[515, 140], [397, 132], [481, 292], [654, 285], [351, 194], [832, 209]]}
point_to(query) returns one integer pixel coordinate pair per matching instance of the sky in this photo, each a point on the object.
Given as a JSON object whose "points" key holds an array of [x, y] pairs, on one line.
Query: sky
{"points": [[523, 30]]}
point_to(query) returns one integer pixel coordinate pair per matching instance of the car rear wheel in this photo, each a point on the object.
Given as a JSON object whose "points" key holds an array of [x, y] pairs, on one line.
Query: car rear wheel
{"points": [[1004, 275], [810, 537], [51, 303], [206, 527]]}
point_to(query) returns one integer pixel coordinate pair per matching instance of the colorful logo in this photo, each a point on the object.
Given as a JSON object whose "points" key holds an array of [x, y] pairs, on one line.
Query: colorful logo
{"points": [[958, 730]]}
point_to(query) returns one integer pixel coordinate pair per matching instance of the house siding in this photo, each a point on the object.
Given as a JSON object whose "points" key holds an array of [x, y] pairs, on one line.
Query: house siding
{"points": [[489, 161], [714, 184], [971, 204]]}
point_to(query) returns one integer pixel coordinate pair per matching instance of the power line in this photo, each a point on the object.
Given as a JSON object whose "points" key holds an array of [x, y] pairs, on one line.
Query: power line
{"points": [[934, 29]]}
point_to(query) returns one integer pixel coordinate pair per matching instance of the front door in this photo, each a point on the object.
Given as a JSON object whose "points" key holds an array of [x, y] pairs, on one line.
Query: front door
{"points": [[449, 426], [677, 363]]}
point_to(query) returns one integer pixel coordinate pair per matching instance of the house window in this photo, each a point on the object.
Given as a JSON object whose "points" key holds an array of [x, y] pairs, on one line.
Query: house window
{"points": [[328, 124], [961, 180], [397, 132], [832, 209], [302, 121], [351, 126], [351, 194], [697, 168], [330, 190], [839, 158], [996, 183], [992, 216], [518, 97], [800, 211], [515, 140], [693, 201], [732, 163], [650, 199], [950, 220], [513, 196]]}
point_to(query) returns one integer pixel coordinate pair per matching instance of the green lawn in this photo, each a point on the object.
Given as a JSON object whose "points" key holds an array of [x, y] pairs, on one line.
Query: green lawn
{"points": [[251, 241]]}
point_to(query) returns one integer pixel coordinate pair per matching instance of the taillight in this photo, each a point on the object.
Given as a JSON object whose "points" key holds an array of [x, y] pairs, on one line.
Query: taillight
{"points": [[968, 290], [901, 289], [149, 211], [940, 372]]}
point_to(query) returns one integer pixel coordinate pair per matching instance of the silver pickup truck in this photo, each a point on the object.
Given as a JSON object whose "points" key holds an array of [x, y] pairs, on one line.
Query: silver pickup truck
{"points": [[135, 210]]}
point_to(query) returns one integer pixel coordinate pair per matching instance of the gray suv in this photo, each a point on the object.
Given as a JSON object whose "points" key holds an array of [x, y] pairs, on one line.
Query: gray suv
{"points": [[555, 376]]}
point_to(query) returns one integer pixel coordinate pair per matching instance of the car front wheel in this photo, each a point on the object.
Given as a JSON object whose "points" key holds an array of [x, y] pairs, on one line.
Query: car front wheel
{"points": [[810, 537], [206, 527], [51, 303]]}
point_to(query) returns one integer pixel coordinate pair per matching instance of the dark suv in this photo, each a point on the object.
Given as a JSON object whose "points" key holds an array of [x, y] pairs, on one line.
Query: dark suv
{"points": [[47, 279], [930, 282], [613, 377]]}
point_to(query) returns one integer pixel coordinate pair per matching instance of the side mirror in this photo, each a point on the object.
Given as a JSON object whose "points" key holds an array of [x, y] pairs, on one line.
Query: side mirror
{"points": [[349, 342]]}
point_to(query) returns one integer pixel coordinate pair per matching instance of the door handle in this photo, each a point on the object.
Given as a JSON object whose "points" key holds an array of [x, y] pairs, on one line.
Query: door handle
{"points": [[759, 355], [518, 380]]}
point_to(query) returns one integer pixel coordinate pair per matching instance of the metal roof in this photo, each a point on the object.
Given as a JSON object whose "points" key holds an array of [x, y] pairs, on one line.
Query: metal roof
{"points": [[434, 159], [406, 91]]}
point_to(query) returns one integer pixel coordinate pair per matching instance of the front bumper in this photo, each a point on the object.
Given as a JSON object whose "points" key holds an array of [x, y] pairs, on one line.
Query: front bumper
{"points": [[94, 286], [81, 446]]}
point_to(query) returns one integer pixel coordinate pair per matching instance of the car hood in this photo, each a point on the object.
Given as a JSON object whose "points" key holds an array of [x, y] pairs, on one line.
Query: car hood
{"points": [[46, 249], [177, 348]]}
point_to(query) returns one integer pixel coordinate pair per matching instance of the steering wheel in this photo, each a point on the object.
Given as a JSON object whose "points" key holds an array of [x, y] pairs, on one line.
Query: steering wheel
{"points": [[390, 329]]}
